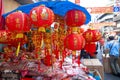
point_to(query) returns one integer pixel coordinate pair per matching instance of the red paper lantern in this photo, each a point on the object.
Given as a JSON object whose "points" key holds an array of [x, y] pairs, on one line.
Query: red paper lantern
{"points": [[75, 18], [41, 16], [18, 22], [74, 42], [92, 35]]}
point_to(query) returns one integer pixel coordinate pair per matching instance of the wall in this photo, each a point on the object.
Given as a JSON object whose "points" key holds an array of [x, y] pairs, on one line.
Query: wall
{"points": [[10, 5]]}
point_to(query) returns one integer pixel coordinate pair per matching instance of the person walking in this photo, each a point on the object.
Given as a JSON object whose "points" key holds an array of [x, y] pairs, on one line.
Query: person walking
{"points": [[100, 48], [112, 47]]}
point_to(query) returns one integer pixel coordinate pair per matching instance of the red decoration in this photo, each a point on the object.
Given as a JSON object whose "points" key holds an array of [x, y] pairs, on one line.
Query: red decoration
{"points": [[13, 40], [41, 16], [18, 22], [75, 18], [4, 36], [74, 41], [47, 60], [92, 35], [90, 48], [10, 38]]}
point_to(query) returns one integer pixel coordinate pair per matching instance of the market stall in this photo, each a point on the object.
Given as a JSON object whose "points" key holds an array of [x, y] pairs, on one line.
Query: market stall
{"points": [[40, 39]]}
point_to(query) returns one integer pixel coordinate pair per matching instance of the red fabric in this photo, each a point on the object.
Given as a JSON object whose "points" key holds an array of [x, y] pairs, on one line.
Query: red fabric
{"points": [[90, 48], [2, 22]]}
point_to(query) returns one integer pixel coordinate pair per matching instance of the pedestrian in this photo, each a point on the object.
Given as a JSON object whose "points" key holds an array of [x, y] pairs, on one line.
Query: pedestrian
{"points": [[100, 49], [112, 47]]}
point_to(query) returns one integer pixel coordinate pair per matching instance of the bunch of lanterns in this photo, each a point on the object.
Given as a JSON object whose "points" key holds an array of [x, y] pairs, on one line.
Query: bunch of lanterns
{"points": [[42, 17]]}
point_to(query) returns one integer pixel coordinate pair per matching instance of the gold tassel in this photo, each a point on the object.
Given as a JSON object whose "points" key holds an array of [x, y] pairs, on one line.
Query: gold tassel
{"points": [[74, 53], [41, 29], [19, 35], [74, 29], [42, 43], [18, 49]]}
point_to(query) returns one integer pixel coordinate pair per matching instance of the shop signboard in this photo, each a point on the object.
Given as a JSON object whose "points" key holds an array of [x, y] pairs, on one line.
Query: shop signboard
{"points": [[99, 25], [100, 10]]}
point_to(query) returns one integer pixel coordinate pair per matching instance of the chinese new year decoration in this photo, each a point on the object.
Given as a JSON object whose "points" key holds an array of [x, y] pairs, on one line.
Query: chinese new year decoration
{"points": [[91, 36], [75, 18], [74, 40], [18, 22], [41, 16]]}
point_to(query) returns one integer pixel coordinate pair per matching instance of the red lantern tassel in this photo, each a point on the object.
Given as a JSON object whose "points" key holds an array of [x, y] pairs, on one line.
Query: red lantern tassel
{"points": [[78, 60], [73, 56]]}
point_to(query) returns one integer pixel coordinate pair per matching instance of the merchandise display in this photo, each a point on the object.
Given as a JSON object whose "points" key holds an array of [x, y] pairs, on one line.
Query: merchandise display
{"points": [[43, 42]]}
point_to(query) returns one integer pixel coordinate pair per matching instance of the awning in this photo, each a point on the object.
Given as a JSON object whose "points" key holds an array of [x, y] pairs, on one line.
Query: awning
{"points": [[58, 7]]}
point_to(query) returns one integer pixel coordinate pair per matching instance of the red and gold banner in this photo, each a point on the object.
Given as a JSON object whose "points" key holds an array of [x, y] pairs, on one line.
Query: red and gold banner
{"points": [[99, 10], [99, 25]]}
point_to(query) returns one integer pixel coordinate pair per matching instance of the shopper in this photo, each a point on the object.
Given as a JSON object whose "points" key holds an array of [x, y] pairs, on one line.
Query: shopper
{"points": [[112, 47]]}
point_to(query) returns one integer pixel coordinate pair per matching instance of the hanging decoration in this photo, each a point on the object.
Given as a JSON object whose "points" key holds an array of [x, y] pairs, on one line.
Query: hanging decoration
{"points": [[91, 36], [59, 33], [18, 22], [75, 18], [74, 40], [41, 16], [4, 34]]}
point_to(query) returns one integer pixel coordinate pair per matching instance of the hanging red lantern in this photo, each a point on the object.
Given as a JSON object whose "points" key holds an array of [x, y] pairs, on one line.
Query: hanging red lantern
{"points": [[74, 42], [92, 35], [41, 16], [18, 22], [75, 18]]}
